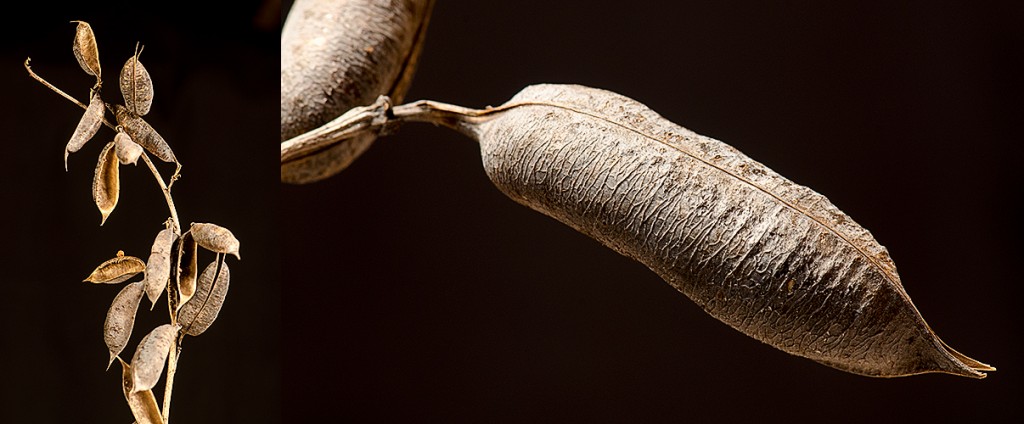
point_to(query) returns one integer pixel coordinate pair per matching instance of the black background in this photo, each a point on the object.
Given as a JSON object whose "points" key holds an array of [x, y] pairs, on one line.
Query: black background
{"points": [[216, 103], [417, 291]]}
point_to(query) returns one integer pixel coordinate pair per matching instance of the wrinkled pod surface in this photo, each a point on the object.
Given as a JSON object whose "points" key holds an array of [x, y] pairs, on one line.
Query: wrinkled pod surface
{"points": [[339, 54], [771, 258]]}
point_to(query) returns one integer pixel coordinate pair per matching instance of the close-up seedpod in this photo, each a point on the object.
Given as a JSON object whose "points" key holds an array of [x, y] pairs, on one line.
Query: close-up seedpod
{"points": [[339, 54], [771, 258]]}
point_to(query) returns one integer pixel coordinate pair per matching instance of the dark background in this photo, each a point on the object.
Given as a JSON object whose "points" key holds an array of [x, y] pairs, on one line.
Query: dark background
{"points": [[418, 292], [216, 103]]}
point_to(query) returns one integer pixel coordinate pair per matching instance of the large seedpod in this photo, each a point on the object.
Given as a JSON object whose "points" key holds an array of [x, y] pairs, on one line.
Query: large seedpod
{"points": [[771, 258], [340, 54]]}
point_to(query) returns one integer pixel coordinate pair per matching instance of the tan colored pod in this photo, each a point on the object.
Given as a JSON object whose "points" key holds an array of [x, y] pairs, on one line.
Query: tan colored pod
{"points": [[771, 258], [340, 54]]}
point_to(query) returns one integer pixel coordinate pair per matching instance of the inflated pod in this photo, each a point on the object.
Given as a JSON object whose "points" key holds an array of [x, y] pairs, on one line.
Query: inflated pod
{"points": [[771, 258], [339, 54]]}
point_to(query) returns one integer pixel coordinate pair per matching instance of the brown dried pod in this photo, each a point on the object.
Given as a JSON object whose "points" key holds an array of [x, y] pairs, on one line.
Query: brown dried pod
{"points": [[116, 270], [215, 238], [773, 259], [136, 85], [158, 267], [199, 314], [143, 134], [106, 182], [187, 268], [87, 127], [339, 54], [127, 151], [85, 49], [150, 357], [117, 327], [142, 403]]}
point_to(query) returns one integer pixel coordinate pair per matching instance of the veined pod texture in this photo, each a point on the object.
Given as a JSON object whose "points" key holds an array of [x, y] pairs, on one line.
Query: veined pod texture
{"points": [[771, 258], [339, 54]]}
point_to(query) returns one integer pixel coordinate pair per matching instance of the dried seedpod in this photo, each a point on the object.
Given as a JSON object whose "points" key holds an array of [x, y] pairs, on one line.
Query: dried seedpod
{"points": [[158, 267], [199, 314], [85, 49], [142, 403], [127, 151], [136, 85], [116, 270], [187, 269], [150, 356], [87, 127], [215, 238], [773, 259], [339, 54], [117, 327], [106, 182], [142, 133]]}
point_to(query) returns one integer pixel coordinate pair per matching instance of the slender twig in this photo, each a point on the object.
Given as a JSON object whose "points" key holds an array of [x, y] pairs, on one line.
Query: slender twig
{"points": [[61, 92], [380, 117]]}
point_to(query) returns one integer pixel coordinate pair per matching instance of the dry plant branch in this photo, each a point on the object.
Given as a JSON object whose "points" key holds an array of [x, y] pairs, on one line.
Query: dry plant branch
{"points": [[135, 139]]}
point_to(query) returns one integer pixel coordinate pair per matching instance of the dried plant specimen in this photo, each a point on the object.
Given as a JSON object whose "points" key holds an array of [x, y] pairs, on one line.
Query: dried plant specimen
{"points": [[136, 86], [117, 328], [116, 270], [85, 49], [127, 151], [158, 267], [150, 356], [215, 238], [339, 54], [771, 258], [199, 314], [133, 139], [90, 123]]}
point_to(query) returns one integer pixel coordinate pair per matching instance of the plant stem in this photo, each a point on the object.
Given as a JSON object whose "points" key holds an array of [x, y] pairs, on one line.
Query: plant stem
{"points": [[172, 366], [378, 118], [175, 226], [61, 92]]}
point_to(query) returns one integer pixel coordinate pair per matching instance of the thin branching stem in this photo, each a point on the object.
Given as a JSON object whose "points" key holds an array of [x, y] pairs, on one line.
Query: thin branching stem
{"points": [[165, 188], [380, 117]]}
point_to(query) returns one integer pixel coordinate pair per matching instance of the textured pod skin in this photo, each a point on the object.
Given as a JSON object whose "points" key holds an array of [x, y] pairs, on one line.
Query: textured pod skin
{"points": [[339, 54], [773, 259]]}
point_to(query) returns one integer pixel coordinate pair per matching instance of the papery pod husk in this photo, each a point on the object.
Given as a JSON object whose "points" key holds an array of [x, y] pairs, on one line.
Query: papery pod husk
{"points": [[188, 269], [106, 182], [142, 133], [773, 259], [199, 314], [136, 86], [158, 266], [339, 54], [127, 151], [150, 357], [87, 127], [116, 270], [142, 403], [85, 49], [215, 238], [117, 327]]}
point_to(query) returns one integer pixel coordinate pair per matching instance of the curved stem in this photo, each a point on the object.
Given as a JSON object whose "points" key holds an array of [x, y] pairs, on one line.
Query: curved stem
{"points": [[61, 92], [175, 225], [378, 118]]}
